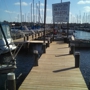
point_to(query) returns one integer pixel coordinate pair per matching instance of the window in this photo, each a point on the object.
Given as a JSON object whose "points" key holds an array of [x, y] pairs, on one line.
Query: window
{"points": [[6, 30]]}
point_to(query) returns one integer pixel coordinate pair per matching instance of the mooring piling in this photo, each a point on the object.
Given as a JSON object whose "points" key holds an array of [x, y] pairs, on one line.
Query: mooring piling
{"points": [[11, 82], [77, 59], [44, 47], [35, 52]]}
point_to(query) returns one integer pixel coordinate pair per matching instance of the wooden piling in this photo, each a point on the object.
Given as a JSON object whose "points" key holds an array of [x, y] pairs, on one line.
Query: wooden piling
{"points": [[44, 47], [77, 59], [48, 44], [11, 81], [72, 50], [35, 52]]}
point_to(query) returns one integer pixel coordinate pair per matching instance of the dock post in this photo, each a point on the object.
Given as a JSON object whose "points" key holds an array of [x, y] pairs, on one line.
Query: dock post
{"points": [[51, 38], [27, 37], [77, 59], [35, 35], [24, 38], [38, 34], [65, 40], [72, 50], [48, 44], [68, 43], [11, 83], [32, 36], [44, 47], [89, 85], [35, 52]]}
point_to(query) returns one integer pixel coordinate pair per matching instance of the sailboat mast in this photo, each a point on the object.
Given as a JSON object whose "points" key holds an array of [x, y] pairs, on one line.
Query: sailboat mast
{"points": [[33, 11], [39, 12], [36, 12], [21, 12], [61, 1], [42, 15]]}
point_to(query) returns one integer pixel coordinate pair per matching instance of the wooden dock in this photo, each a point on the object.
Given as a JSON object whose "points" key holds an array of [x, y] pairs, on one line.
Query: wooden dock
{"points": [[56, 71]]}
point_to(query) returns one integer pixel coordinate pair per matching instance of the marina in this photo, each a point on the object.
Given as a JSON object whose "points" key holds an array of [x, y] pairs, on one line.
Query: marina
{"points": [[44, 47]]}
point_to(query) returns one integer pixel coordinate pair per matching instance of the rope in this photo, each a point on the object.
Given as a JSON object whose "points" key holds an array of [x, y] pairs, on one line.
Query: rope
{"points": [[18, 50]]}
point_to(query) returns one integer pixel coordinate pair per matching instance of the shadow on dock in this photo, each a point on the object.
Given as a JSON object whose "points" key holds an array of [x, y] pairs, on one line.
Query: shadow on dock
{"points": [[65, 69], [62, 55], [60, 42], [62, 48]]}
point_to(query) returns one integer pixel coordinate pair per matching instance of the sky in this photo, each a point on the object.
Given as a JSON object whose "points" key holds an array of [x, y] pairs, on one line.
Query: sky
{"points": [[10, 10]]}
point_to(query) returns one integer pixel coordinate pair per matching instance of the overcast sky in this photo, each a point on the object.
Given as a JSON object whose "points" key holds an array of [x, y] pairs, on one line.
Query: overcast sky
{"points": [[10, 9]]}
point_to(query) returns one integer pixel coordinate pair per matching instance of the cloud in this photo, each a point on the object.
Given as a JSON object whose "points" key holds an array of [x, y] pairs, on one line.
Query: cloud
{"points": [[16, 17], [87, 8], [8, 11], [30, 3], [49, 19], [23, 3], [49, 10], [84, 2], [42, 4]]}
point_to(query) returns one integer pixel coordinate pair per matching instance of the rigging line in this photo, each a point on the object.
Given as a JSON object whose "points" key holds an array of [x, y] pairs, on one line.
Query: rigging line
{"points": [[18, 50], [40, 14], [7, 9]]}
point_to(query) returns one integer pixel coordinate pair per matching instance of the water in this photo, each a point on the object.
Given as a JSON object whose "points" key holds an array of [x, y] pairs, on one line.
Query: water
{"points": [[85, 64], [82, 35], [84, 56]]}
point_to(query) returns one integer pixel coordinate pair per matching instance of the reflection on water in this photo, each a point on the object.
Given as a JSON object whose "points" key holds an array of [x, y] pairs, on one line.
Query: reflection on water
{"points": [[82, 35]]}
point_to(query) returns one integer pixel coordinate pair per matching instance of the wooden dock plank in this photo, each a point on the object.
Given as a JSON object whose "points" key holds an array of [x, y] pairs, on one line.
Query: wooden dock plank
{"points": [[56, 71]]}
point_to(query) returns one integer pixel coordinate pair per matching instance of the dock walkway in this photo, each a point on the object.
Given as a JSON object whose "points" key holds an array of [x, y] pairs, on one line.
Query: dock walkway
{"points": [[56, 71]]}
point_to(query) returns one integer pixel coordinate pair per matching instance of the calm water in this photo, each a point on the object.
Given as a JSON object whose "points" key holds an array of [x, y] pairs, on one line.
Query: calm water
{"points": [[85, 63], [84, 55], [82, 35]]}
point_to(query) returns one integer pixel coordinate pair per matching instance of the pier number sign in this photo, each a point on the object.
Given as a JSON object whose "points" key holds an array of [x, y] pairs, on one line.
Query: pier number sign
{"points": [[60, 12]]}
